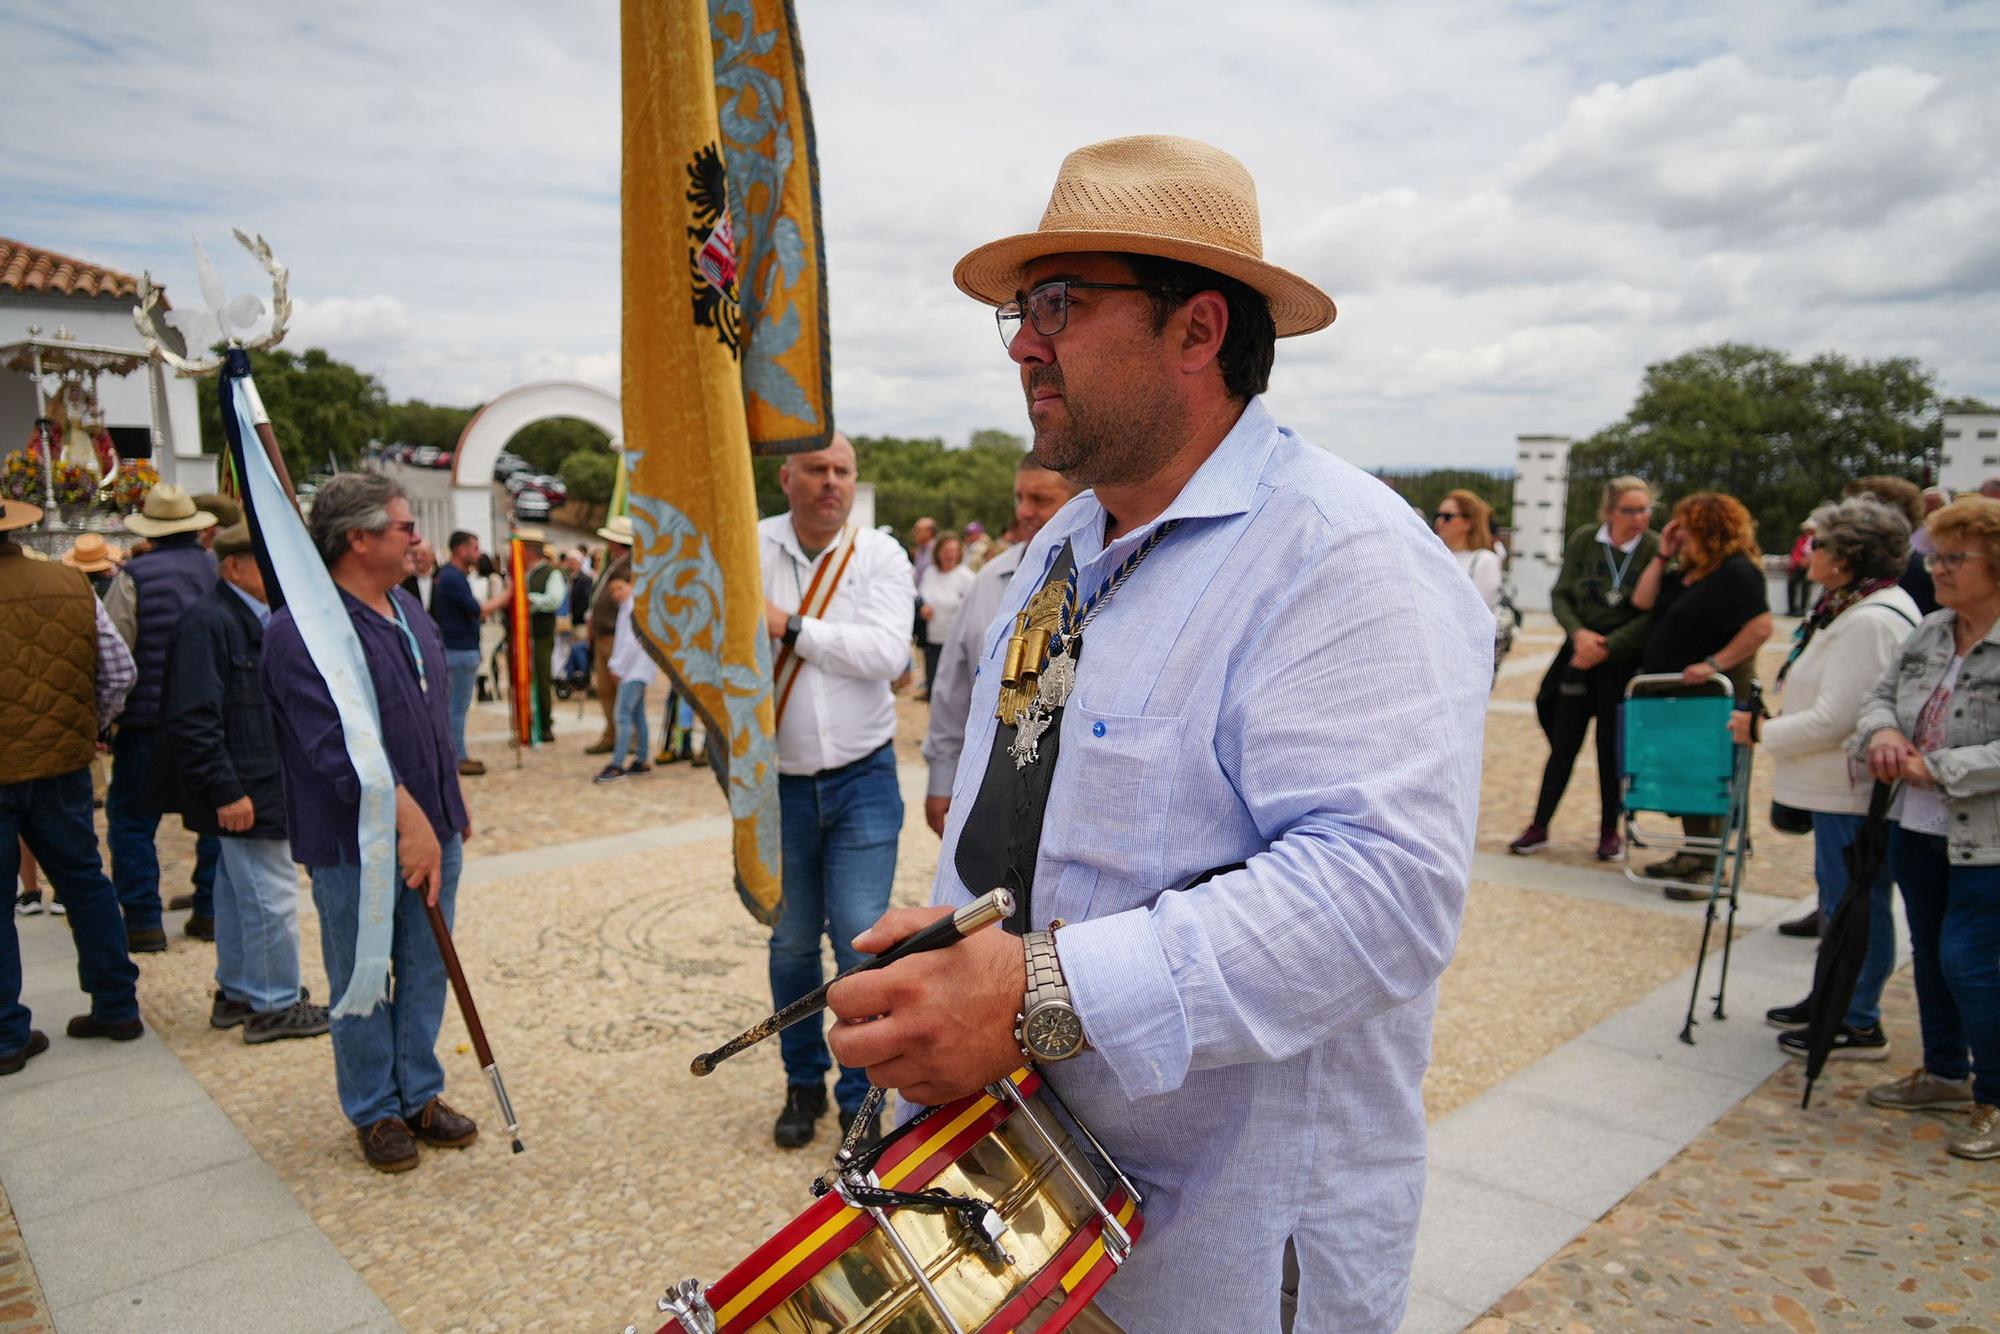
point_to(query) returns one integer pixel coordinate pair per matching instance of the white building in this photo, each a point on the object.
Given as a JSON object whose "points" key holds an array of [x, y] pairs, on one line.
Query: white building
{"points": [[42, 290], [1541, 495], [1971, 452]]}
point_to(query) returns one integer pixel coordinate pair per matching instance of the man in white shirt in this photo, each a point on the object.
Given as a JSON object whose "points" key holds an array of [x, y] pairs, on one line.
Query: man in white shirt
{"points": [[1038, 494], [838, 605]]}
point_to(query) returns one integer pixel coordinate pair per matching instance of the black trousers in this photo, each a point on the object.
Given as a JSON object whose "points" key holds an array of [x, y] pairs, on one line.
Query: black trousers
{"points": [[1566, 716]]}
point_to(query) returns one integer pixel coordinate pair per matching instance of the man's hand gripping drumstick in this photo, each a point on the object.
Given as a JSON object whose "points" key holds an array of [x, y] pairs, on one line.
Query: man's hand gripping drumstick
{"points": [[935, 1026], [935, 930]]}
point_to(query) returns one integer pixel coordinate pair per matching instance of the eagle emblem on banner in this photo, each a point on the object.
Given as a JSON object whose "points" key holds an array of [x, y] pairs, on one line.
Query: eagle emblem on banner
{"points": [[712, 248]]}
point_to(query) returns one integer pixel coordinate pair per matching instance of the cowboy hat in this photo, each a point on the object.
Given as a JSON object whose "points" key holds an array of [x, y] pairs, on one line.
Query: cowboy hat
{"points": [[92, 554], [225, 510], [169, 509], [618, 530], [529, 534], [18, 514], [1152, 194]]}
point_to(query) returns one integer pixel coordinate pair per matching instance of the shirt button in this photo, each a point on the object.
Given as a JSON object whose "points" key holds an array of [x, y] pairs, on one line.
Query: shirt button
{"points": [[1097, 729]]}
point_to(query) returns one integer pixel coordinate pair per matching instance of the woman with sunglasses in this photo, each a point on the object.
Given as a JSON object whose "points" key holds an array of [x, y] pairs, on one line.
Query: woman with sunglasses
{"points": [[1932, 722], [1592, 600], [1464, 523]]}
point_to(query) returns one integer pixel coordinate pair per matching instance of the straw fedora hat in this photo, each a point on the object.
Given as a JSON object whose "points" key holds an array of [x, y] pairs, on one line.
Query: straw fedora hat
{"points": [[168, 509], [18, 514], [618, 530], [1152, 194], [531, 534], [92, 554]]}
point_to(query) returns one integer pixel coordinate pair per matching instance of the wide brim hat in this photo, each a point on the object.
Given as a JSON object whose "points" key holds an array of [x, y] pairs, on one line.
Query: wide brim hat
{"points": [[168, 510], [234, 540], [225, 510], [532, 535], [91, 554], [618, 530], [1152, 194], [18, 514]]}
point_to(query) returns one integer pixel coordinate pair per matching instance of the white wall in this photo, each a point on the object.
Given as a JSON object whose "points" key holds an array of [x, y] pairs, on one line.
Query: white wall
{"points": [[1541, 493], [1971, 452], [127, 401]]}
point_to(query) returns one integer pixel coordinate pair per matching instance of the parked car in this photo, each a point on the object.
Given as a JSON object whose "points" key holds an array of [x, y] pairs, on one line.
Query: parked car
{"points": [[553, 488], [443, 459], [425, 457], [509, 465], [531, 507]]}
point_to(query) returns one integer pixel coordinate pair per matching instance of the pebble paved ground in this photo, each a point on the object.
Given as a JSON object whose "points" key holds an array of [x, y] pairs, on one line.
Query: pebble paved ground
{"points": [[22, 1308], [599, 978]]}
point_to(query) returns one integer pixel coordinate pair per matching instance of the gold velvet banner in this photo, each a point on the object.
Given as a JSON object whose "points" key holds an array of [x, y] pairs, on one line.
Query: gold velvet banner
{"points": [[724, 344]]}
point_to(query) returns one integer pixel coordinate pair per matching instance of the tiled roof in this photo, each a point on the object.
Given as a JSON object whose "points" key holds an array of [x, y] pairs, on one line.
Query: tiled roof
{"points": [[24, 268]]}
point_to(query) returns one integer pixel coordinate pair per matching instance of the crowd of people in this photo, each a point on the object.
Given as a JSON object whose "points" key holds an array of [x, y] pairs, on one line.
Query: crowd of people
{"points": [[1889, 681]]}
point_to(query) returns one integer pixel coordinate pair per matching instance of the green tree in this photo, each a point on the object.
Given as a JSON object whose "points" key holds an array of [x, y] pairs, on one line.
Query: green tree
{"points": [[545, 445], [416, 422], [324, 412], [1780, 435], [1426, 487], [589, 474], [917, 477]]}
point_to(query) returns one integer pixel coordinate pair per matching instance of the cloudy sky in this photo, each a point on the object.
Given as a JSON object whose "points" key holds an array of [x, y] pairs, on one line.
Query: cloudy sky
{"points": [[1517, 206]]}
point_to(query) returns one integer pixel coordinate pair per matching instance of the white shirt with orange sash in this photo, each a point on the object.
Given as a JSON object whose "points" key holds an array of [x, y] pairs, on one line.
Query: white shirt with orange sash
{"points": [[840, 707]]}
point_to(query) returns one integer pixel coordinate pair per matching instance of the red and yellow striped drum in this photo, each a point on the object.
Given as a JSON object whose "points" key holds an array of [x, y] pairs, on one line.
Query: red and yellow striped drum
{"points": [[848, 1264]]}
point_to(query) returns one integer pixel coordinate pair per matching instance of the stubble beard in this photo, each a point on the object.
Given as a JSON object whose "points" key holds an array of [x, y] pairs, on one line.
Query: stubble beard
{"points": [[1118, 439]]}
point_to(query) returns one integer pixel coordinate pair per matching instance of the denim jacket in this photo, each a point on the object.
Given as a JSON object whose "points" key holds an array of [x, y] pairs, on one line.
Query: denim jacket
{"points": [[1967, 769]]}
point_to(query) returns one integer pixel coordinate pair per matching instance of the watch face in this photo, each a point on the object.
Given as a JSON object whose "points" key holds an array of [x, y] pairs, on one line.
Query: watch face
{"points": [[1054, 1032]]}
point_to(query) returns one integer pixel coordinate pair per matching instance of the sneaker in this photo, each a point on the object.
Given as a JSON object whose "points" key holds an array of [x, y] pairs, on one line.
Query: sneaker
{"points": [[1849, 1044], [438, 1124], [28, 903], [1609, 846], [1807, 926], [1981, 1136], [145, 940], [1919, 1090], [11, 1062], [300, 1019], [200, 928], [638, 767], [56, 908], [227, 1013], [804, 1104], [1532, 840], [471, 768], [1790, 1016], [610, 773], [388, 1145]]}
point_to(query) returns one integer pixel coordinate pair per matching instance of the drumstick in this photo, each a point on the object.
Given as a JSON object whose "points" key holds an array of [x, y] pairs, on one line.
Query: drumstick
{"points": [[975, 916]]}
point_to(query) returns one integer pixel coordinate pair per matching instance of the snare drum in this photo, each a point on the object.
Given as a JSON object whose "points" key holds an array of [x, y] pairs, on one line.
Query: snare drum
{"points": [[848, 1265]]}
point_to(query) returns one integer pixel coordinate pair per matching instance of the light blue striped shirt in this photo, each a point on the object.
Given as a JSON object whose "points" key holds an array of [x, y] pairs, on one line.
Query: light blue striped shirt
{"points": [[1295, 678]]}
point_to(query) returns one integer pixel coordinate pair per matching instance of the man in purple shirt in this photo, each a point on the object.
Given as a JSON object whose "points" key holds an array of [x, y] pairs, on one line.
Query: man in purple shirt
{"points": [[385, 1063]]}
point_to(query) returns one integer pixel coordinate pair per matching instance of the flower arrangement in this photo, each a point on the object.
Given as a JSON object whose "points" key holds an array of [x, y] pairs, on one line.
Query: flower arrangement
{"points": [[74, 485], [21, 477], [128, 491]]}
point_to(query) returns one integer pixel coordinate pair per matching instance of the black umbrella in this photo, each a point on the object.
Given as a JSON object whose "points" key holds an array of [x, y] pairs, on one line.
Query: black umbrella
{"points": [[1843, 941]]}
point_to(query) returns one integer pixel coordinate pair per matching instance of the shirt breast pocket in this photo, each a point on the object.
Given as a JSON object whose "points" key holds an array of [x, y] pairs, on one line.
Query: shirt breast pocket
{"points": [[1113, 796]]}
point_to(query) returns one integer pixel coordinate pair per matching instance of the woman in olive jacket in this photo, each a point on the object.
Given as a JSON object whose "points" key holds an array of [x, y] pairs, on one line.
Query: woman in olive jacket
{"points": [[1592, 601]]}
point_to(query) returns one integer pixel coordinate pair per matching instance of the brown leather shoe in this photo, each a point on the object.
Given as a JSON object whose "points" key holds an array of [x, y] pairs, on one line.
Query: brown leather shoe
{"points": [[602, 747], [180, 903], [471, 768], [387, 1145], [438, 1124], [90, 1026]]}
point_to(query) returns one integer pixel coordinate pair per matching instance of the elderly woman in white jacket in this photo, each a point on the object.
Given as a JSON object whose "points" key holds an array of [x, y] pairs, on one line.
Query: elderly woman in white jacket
{"points": [[1859, 549]]}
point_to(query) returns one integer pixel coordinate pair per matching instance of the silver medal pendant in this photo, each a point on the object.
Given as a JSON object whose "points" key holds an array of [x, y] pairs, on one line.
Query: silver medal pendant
{"points": [[1058, 679], [1614, 597], [1028, 734]]}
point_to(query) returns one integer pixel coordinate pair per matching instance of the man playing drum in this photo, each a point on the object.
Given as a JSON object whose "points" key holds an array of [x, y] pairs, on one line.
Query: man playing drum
{"points": [[1224, 749]]}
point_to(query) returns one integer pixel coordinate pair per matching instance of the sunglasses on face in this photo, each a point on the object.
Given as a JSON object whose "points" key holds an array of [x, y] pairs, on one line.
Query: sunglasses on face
{"points": [[1442, 515]]}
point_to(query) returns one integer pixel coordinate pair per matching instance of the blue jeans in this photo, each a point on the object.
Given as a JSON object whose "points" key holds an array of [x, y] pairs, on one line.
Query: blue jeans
{"points": [[630, 714], [132, 827], [1831, 836], [385, 1063], [1954, 916], [840, 832], [463, 665], [207, 856], [53, 816], [257, 923]]}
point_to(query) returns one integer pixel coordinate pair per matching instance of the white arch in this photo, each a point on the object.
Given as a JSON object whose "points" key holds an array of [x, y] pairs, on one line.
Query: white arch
{"points": [[490, 429]]}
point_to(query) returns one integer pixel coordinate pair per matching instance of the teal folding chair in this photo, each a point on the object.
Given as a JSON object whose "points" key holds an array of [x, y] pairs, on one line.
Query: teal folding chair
{"points": [[1676, 758]]}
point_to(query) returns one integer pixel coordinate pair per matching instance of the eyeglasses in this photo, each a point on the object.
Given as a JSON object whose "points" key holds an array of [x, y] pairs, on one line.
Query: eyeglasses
{"points": [[1442, 515], [408, 526], [1634, 511], [1048, 306], [1950, 560]]}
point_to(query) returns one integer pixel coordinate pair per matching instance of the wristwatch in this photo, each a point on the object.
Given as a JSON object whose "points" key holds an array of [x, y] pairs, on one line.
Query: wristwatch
{"points": [[1048, 1027], [792, 626]]}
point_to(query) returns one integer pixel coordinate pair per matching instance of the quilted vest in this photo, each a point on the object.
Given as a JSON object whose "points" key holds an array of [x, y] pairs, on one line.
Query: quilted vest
{"points": [[168, 580], [48, 668]]}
